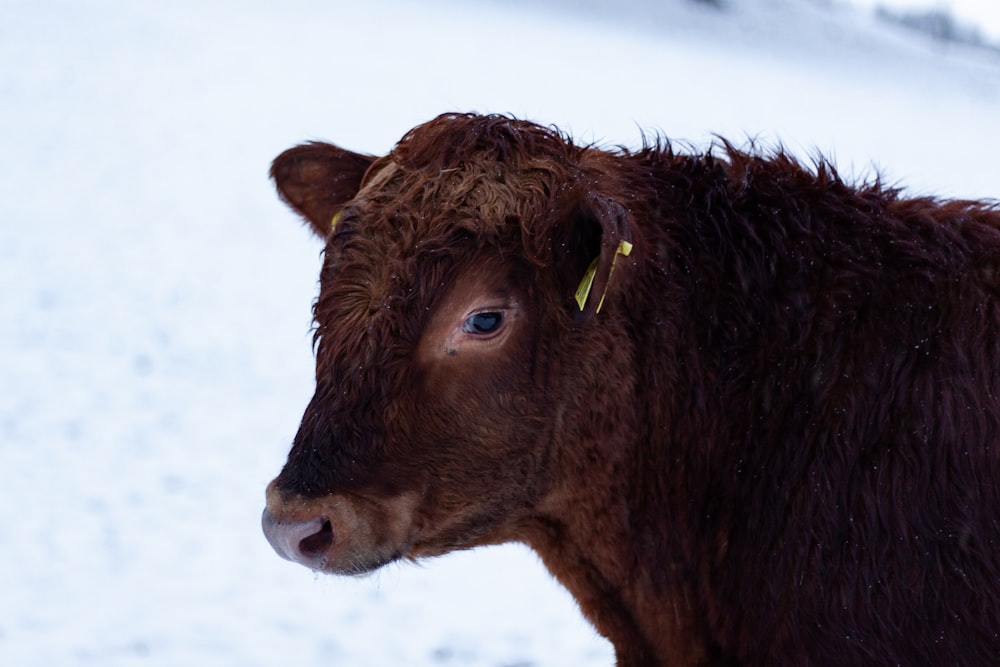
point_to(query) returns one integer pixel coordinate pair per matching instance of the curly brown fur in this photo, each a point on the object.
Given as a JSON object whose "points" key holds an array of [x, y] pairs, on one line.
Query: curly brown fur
{"points": [[778, 442]]}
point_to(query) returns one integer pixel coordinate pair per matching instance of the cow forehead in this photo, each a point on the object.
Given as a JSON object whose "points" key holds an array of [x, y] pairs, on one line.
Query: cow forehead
{"points": [[378, 289], [416, 204], [380, 173], [397, 245]]}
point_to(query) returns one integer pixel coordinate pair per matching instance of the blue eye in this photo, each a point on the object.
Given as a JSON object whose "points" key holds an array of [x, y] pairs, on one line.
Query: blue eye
{"points": [[483, 323]]}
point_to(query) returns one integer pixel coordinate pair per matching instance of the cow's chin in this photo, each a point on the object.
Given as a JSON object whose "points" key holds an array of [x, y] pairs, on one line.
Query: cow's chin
{"points": [[339, 534], [355, 565]]}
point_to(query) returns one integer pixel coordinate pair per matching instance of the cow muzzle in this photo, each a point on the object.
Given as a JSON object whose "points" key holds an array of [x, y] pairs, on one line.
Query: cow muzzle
{"points": [[337, 533], [298, 529], [303, 542]]}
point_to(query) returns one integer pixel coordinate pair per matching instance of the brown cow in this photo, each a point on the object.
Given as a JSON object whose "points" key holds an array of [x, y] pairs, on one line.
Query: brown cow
{"points": [[748, 414]]}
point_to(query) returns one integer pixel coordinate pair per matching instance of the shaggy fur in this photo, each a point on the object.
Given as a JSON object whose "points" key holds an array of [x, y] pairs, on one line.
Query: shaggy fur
{"points": [[777, 443]]}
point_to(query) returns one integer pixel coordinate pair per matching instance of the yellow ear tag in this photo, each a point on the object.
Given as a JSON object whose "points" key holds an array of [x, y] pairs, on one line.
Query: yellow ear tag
{"points": [[583, 291], [588, 281], [336, 219]]}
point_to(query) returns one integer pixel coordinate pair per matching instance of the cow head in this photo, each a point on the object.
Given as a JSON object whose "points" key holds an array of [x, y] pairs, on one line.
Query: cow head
{"points": [[454, 344]]}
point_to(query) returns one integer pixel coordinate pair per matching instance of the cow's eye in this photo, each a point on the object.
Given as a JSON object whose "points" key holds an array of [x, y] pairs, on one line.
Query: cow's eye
{"points": [[483, 323]]}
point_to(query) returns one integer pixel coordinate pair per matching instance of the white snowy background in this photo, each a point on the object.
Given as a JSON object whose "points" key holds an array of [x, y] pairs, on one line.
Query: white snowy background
{"points": [[155, 296]]}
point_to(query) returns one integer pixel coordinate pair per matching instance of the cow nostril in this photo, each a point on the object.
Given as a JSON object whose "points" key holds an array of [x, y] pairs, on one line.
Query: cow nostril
{"points": [[304, 542], [319, 542]]}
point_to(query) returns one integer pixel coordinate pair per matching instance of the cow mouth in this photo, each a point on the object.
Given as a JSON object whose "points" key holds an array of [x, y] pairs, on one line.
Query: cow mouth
{"points": [[313, 543], [340, 534]]}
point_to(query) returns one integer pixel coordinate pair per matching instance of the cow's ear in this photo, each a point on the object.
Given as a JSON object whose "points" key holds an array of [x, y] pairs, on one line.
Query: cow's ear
{"points": [[317, 179], [598, 240]]}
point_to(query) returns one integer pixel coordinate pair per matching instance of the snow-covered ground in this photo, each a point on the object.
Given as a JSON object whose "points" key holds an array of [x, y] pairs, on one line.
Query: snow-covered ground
{"points": [[154, 295]]}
